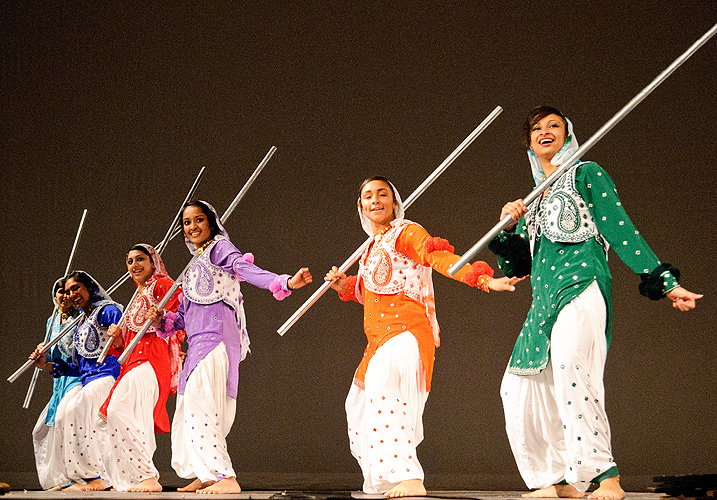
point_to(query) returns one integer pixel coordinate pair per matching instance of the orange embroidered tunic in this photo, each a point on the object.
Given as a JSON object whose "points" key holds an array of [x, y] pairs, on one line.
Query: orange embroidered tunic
{"points": [[389, 314]]}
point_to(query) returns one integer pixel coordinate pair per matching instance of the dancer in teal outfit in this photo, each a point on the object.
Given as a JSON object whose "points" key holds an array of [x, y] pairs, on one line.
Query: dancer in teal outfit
{"points": [[46, 439]]}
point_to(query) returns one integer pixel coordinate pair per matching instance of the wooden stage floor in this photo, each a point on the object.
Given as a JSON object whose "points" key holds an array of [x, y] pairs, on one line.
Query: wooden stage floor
{"points": [[286, 495]]}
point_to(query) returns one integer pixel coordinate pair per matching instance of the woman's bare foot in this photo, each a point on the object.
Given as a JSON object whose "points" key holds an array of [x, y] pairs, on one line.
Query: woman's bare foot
{"points": [[94, 485], [73, 487], [226, 485], [408, 488], [609, 489], [196, 485], [150, 484], [555, 491]]}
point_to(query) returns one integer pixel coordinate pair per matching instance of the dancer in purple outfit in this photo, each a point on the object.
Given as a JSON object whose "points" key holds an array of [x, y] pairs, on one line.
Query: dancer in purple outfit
{"points": [[212, 314]]}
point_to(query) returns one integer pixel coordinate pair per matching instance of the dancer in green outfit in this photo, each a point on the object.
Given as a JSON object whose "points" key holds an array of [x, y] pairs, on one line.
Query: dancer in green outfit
{"points": [[553, 393]]}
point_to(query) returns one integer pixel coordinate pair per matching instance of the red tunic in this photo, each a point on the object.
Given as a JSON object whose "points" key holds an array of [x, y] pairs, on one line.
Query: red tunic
{"points": [[151, 348]]}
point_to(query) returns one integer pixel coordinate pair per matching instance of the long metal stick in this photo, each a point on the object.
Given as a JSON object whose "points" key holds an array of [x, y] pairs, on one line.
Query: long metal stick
{"points": [[178, 216], [483, 242], [55, 310], [45, 348], [160, 248], [130, 347], [413, 197], [248, 184], [170, 234], [128, 350]]}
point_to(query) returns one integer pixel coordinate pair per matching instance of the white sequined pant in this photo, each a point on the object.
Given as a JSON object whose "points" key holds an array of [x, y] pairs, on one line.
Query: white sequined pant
{"points": [[556, 421], [81, 437], [129, 430], [49, 448], [385, 419], [202, 420]]}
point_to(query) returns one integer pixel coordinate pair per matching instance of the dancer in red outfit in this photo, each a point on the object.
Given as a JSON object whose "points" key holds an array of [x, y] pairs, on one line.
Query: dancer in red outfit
{"points": [[137, 405]]}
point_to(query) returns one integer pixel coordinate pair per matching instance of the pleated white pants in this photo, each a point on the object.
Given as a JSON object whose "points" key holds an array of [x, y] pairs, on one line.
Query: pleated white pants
{"points": [[129, 430], [81, 438], [48, 445], [385, 419], [202, 420], [556, 421]]}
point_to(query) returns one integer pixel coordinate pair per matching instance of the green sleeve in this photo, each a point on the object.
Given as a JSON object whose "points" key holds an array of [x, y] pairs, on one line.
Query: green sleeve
{"points": [[512, 249], [613, 223]]}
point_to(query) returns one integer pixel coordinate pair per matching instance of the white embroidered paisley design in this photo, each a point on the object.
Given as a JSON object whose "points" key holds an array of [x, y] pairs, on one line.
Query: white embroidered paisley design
{"points": [[381, 274], [135, 315], [207, 283], [90, 336], [562, 215]]}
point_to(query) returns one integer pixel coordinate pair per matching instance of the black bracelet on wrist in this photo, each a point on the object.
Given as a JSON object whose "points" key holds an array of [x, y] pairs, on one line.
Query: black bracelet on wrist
{"points": [[652, 284]]}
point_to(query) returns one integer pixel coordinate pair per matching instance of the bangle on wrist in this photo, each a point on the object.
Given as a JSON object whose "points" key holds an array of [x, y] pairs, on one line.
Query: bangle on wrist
{"points": [[288, 284]]}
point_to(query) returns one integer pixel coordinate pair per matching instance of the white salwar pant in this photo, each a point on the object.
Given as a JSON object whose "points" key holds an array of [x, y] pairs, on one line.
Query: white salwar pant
{"points": [[47, 441], [129, 430], [81, 437], [556, 421], [202, 420], [385, 419]]}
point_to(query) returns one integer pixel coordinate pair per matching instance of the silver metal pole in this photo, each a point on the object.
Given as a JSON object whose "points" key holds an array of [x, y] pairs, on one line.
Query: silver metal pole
{"points": [[128, 350], [248, 184], [483, 242], [45, 349], [170, 233], [409, 201], [36, 373]]}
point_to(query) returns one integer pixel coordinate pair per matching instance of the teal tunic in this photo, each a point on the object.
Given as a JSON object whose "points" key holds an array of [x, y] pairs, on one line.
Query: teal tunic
{"points": [[561, 271], [60, 385]]}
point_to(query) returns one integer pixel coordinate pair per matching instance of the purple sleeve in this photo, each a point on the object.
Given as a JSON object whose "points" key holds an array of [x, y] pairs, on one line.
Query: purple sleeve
{"points": [[229, 258], [171, 322]]}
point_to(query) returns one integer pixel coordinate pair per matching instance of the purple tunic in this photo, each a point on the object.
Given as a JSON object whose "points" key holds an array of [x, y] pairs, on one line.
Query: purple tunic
{"points": [[207, 325]]}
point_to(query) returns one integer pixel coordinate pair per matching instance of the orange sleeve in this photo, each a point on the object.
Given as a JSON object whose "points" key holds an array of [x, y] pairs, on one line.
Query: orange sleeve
{"points": [[437, 253], [350, 290]]}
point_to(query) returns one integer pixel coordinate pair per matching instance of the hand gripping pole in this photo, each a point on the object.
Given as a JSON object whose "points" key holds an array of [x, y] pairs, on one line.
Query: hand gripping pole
{"points": [[414, 196], [483, 242]]}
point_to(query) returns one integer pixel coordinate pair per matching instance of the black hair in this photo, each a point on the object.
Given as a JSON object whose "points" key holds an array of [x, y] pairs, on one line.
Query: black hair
{"points": [[84, 278], [58, 284], [534, 117], [378, 178], [141, 249], [208, 212]]}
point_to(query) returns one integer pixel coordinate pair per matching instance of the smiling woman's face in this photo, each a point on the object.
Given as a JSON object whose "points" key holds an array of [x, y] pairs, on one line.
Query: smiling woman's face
{"points": [[377, 203], [196, 225], [140, 266], [548, 136], [78, 294]]}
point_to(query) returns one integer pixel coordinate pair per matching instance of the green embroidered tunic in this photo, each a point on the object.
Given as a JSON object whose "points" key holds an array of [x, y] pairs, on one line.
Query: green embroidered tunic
{"points": [[561, 270]]}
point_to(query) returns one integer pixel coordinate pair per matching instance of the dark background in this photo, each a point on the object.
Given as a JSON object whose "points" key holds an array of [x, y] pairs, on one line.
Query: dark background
{"points": [[115, 106]]}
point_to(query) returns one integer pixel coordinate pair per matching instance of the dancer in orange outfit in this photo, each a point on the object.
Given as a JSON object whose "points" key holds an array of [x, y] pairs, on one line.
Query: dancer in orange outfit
{"points": [[384, 407]]}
